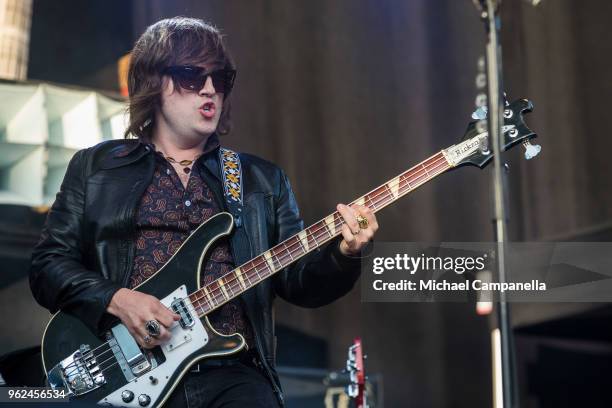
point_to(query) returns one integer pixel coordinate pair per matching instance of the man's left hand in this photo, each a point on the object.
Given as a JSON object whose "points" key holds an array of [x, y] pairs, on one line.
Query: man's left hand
{"points": [[356, 234]]}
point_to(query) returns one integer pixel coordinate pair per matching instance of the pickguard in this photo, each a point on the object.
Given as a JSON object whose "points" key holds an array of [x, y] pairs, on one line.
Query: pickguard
{"points": [[184, 345]]}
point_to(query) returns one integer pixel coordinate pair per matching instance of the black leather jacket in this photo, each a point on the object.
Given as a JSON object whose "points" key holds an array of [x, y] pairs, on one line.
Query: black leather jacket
{"points": [[86, 250]]}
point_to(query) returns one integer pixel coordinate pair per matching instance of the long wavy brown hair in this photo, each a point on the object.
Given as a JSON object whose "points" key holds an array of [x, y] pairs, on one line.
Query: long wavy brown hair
{"points": [[173, 41]]}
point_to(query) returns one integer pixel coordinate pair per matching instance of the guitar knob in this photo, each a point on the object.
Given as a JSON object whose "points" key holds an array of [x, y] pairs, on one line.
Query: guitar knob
{"points": [[127, 396], [144, 400], [531, 151]]}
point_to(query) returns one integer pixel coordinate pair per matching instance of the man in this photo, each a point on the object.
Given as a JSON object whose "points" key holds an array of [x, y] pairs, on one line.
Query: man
{"points": [[125, 207]]}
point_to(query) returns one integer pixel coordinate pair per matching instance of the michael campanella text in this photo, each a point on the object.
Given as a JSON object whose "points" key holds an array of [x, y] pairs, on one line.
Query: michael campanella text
{"points": [[444, 285]]}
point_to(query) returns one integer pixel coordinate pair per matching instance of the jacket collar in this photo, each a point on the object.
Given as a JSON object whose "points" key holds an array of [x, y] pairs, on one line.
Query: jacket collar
{"points": [[122, 153], [210, 157], [126, 149]]}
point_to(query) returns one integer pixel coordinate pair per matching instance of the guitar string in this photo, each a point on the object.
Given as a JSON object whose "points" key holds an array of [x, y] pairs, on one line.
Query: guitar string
{"points": [[401, 184], [218, 291], [106, 343], [76, 368], [203, 303], [254, 266], [109, 366], [87, 359], [93, 355], [283, 257]]}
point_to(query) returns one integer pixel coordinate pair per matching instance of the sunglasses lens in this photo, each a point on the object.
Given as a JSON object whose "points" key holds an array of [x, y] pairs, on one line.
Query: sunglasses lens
{"points": [[223, 80], [189, 78], [218, 80], [194, 78]]}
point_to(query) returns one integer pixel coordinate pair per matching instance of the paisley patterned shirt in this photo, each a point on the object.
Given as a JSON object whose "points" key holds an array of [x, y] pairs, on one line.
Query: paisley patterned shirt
{"points": [[167, 214]]}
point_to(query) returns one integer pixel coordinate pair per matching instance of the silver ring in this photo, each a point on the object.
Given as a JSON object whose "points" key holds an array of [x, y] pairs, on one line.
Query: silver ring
{"points": [[153, 328], [147, 339]]}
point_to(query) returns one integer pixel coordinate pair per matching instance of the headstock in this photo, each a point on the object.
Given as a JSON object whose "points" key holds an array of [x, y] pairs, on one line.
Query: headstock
{"points": [[356, 370], [475, 148]]}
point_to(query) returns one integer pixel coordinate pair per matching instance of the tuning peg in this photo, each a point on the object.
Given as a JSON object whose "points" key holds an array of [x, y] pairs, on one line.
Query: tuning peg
{"points": [[531, 151], [480, 113]]}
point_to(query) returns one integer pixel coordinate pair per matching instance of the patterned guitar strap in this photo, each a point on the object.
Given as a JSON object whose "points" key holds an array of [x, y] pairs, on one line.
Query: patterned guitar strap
{"points": [[231, 172]]}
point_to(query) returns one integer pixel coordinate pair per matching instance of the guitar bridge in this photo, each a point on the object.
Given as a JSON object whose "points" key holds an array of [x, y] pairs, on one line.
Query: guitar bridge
{"points": [[79, 373]]}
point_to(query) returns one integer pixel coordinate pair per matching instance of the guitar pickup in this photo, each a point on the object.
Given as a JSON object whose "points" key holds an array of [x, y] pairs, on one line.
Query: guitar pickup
{"points": [[179, 307], [127, 351]]}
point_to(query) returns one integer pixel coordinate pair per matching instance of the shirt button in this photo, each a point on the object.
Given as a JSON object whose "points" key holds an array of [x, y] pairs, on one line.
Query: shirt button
{"points": [[168, 171], [187, 203]]}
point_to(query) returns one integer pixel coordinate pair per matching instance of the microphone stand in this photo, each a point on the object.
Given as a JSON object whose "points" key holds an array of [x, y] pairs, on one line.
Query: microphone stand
{"points": [[505, 393]]}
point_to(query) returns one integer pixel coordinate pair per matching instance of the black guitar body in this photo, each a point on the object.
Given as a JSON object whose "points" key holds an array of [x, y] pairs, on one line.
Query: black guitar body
{"points": [[65, 335]]}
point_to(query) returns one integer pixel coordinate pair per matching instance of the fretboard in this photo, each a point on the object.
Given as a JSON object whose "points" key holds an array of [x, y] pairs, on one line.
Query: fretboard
{"points": [[249, 274]]}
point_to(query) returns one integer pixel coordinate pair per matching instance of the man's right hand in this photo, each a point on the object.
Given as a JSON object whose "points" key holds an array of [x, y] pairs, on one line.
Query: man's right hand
{"points": [[135, 309]]}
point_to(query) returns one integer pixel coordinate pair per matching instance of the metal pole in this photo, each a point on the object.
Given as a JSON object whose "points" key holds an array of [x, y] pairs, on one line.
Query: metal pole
{"points": [[502, 335]]}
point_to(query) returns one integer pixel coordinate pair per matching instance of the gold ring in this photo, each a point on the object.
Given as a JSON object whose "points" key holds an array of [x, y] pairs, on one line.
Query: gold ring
{"points": [[362, 221]]}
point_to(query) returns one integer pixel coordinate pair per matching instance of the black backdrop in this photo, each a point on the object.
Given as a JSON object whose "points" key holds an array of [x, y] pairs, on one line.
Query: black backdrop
{"points": [[345, 94]]}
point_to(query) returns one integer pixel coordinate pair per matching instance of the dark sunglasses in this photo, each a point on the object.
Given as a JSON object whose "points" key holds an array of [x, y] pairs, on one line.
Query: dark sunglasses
{"points": [[193, 78]]}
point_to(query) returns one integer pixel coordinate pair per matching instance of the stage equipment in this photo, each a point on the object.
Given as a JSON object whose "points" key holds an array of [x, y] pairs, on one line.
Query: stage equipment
{"points": [[356, 369], [353, 378], [41, 127]]}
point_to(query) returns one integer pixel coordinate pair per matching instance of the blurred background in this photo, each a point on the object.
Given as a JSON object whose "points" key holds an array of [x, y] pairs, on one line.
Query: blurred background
{"points": [[344, 95]]}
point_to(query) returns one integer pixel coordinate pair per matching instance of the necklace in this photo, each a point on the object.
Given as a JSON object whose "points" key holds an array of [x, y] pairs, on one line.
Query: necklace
{"points": [[185, 163]]}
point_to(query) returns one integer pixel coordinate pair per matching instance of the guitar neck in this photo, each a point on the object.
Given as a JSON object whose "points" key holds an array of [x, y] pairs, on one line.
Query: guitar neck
{"points": [[249, 274]]}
